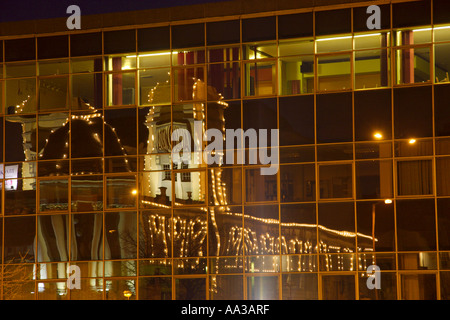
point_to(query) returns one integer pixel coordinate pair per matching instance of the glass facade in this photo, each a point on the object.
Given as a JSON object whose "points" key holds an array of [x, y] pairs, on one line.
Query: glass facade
{"points": [[87, 177]]}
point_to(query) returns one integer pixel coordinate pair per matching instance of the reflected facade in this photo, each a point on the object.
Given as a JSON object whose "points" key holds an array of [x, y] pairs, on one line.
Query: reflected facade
{"points": [[88, 179]]}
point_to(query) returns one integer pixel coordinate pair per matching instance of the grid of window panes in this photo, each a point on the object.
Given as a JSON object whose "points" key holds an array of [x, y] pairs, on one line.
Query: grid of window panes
{"points": [[364, 148]]}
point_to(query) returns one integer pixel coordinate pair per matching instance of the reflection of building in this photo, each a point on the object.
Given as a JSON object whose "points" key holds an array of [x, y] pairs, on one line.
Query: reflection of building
{"points": [[89, 179]]}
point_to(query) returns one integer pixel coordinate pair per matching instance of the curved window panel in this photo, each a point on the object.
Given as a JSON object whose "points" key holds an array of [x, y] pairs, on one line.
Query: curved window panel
{"points": [[20, 196], [154, 134], [190, 187], [441, 32], [154, 86], [259, 29], [53, 242], [20, 96], [224, 54], [90, 289], [155, 239], [155, 267], [260, 187], [376, 229], [372, 40], [296, 120], [416, 226], [337, 262], [154, 288], [85, 44], [83, 65], [226, 288], [216, 36], [19, 239], [441, 111], [19, 70], [413, 147], [87, 242], [443, 176], [190, 288], [154, 59], [87, 193], [419, 35], [121, 192], [333, 22], [334, 43], [20, 139], [298, 233], [189, 267], [120, 237], [188, 57], [188, 35], [295, 25], [443, 216], [295, 47], [297, 75], [52, 291], [299, 263], [53, 136], [155, 189], [332, 152], [262, 264], [150, 39], [190, 234], [297, 154], [86, 91], [20, 49], [300, 287], [336, 230], [261, 230], [225, 237], [388, 283]]}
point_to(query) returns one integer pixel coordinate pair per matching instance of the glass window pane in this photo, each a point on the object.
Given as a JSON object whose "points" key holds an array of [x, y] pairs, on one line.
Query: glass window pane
{"points": [[335, 181], [419, 13], [53, 239], [189, 84], [120, 62], [443, 176], [221, 54], [190, 187], [154, 59], [87, 193], [441, 33], [445, 285], [190, 228], [119, 41], [226, 288], [53, 195], [21, 96], [86, 136], [297, 154], [80, 65], [53, 47], [296, 120], [360, 17], [300, 286], [21, 69], [441, 110], [120, 235], [296, 47], [333, 72], [53, 93], [190, 288], [375, 226], [225, 81], [388, 285], [298, 229], [372, 69], [188, 57], [121, 138], [332, 152], [332, 219], [222, 32], [416, 226], [260, 78], [334, 43], [121, 191], [333, 21], [413, 113], [53, 67], [20, 147], [20, 236], [414, 177], [338, 287], [225, 186], [188, 35], [87, 91], [374, 179], [407, 37], [297, 183], [20, 49], [87, 243], [225, 234], [334, 118], [20, 196], [412, 65], [297, 75], [263, 229], [260, 187], [295, 25], [258, 29], [154, 234], [155, 288], [150, 39], [259, 50], [443, 216], [120, 89], [262, 288], [418, 286], [86, 44]]}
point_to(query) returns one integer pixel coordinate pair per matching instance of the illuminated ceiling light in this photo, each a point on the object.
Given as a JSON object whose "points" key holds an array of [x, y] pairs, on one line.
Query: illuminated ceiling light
{"points": [[378, 135], [388, 201], [134, 192], [368, 35], [442, 28], [152, 54], [336, 38], [424, 29], [412, 141]]}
